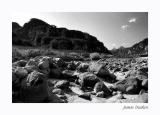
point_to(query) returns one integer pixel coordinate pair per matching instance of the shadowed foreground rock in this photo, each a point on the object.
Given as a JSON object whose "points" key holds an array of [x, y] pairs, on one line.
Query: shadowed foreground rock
{"points": [[129, 85], [34, 88]]}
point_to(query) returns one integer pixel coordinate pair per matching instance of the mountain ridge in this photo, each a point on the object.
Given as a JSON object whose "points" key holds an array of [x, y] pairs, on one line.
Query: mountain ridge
{"points": [[39, 33], [137, 49]]}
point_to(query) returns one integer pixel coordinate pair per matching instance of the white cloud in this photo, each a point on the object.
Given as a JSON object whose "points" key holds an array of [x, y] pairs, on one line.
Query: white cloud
{"points": [[132, 20], [125, 27]]}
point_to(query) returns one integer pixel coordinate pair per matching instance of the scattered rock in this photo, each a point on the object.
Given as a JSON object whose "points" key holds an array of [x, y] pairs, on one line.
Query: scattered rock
{"points": [[69, 75], [20, 63], [63, 84], [21, 72], [101, 71], [43, 64], [94, 56], [85, 96], [31, 68], [32, 62], [83, 67], [59, 61], [57, 91], [87, 79]]}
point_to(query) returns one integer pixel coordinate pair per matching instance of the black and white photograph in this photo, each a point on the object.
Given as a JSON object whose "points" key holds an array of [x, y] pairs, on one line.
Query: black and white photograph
{"points": [[80, 57]]}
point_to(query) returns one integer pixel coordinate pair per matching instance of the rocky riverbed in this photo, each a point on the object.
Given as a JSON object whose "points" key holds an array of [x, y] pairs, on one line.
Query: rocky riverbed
{"points": [[46, 79]]}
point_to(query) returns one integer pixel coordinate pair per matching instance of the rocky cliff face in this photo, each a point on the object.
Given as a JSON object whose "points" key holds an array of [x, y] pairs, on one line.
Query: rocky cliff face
{"points": [[39, 33], [138, 49]]}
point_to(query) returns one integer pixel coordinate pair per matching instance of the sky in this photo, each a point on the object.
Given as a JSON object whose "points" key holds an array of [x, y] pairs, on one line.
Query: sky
{"points": [[114, 29]]}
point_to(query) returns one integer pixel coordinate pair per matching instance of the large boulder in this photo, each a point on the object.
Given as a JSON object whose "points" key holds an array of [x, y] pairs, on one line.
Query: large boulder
{"points": [[129, 85], [87, 79], [101, 71], [100, 86], [44, 65], [34, 88]]}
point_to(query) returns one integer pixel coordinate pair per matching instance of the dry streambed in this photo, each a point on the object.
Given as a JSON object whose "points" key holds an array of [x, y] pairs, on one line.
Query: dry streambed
{"points": [[46, 79]]}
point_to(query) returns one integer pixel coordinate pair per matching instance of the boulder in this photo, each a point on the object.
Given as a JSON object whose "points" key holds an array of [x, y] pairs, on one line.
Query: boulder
{"points": [[20, 63], [34, 88], [43, 64], [31, 68], [95, 56], [100, 86], [71, 66], [62, 84], [32, 62], [57, 91], [85, 96], [59, 61], [21, 72], [129, 85], [87, 79], [69, 75], [83, 67], [101, 71]]}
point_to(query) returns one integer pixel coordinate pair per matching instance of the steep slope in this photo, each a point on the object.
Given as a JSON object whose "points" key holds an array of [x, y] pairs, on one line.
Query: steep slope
{"points": [[138, 49], [39, 33]]}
